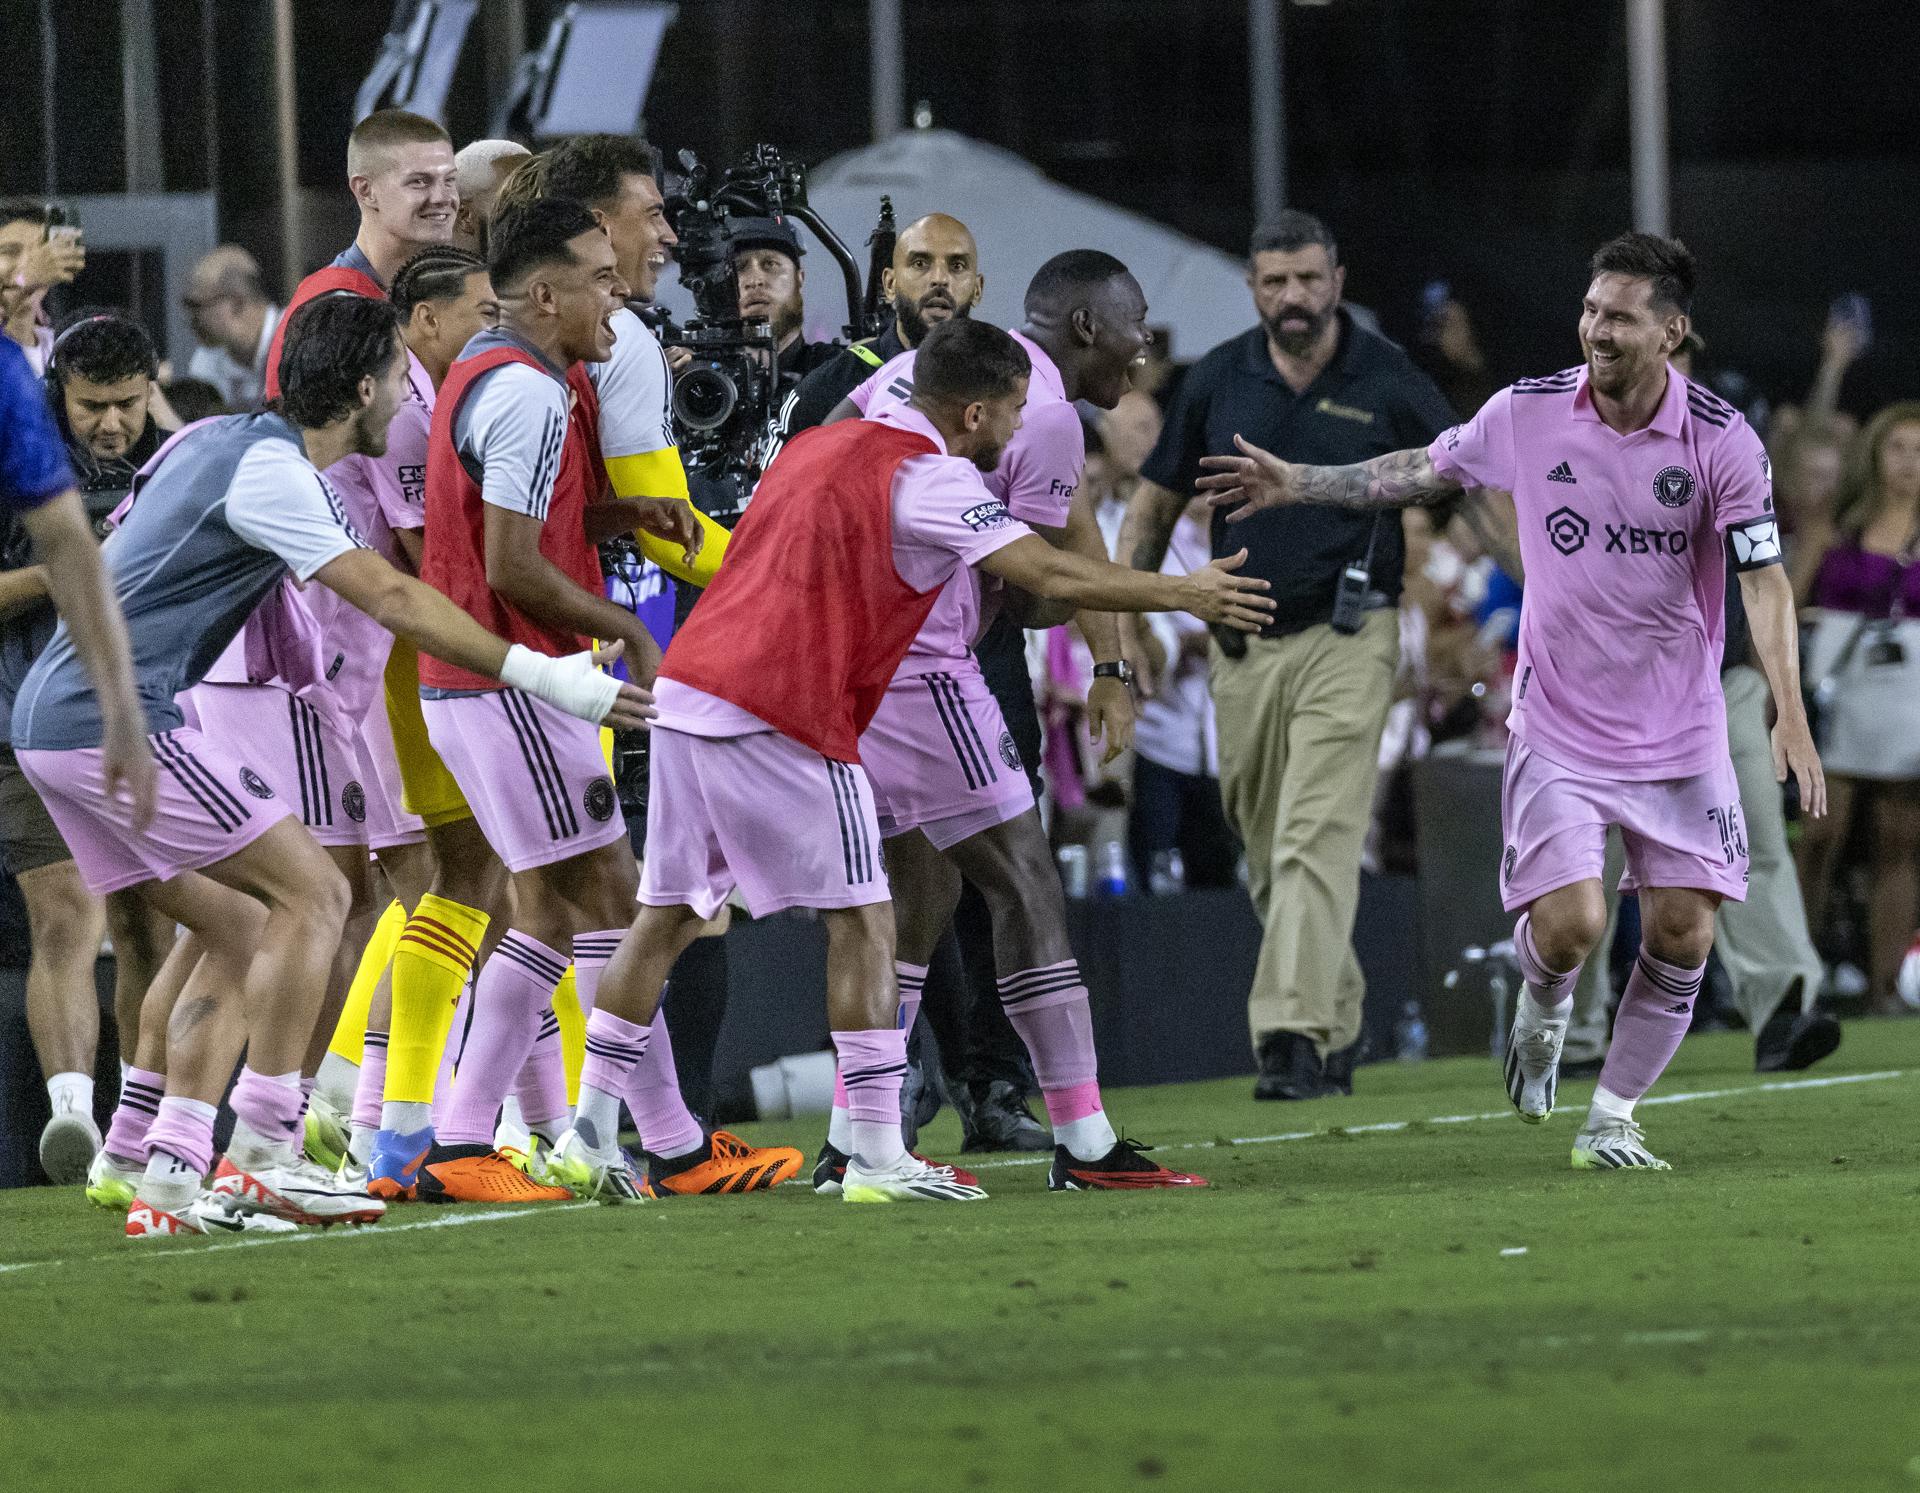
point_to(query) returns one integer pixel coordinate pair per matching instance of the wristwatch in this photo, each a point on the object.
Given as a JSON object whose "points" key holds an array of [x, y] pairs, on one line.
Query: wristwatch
{"points": [[1118, 668]]}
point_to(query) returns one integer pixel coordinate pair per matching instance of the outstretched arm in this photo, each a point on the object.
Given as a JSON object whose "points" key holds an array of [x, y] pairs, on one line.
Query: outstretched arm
{"points": [[1768, 595], [1257, 479], [1212, 593]]}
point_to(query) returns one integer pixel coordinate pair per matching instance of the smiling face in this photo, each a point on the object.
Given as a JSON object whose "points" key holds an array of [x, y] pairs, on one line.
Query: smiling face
{"points": [[583, 296], [1296, 292], [383, 399], [1118, 316], [106, 418], [411, 192], [1627, 338], [636, 223]]}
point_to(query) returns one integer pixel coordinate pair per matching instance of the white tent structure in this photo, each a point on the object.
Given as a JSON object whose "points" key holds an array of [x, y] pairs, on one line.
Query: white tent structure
{"points": [[1020, 220]]}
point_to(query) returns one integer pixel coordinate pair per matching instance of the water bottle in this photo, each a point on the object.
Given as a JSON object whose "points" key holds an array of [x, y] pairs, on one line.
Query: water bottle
{"points": [[1168, 875], [1410, 1034], [1113, 870], [1072, 860]]}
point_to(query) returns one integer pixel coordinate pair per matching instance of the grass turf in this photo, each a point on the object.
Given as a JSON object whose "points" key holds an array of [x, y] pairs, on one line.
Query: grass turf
{"points": [[1339, 1312]]}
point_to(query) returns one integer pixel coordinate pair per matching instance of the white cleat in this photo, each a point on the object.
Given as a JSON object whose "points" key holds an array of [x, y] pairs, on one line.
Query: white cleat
{"points": [[1533, 1065], [68, 1146], [350, 1175], [298, 1191], [1608, 1144], [209, 1213], [908, 1180], [111, 1183], [594, 1175]]}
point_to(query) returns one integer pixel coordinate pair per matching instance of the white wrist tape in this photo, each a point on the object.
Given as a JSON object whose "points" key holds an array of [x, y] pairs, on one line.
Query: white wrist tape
{"points": [[571, 684]]}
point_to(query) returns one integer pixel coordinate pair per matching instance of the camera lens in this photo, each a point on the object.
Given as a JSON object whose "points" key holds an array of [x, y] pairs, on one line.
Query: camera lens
{"points": [[704, 397]]}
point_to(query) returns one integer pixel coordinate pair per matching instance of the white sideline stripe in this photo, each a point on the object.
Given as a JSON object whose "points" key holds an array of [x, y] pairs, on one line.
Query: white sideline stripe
{"points": [[1384, 1127], [451, 1221]]}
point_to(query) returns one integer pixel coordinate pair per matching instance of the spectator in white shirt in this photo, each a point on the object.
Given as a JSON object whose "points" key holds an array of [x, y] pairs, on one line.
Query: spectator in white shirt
{"points": [[233, 320]]}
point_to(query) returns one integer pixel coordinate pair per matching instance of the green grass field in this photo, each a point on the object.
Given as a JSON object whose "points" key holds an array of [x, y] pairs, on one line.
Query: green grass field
{"points": [[1340, 1311]]}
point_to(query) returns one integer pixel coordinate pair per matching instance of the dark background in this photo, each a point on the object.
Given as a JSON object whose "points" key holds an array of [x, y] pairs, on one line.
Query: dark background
{"points": [[1480, 141]]}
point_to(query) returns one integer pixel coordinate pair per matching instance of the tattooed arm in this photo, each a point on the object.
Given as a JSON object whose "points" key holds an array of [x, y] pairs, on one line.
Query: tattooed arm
{"points": [[1257, 479]]}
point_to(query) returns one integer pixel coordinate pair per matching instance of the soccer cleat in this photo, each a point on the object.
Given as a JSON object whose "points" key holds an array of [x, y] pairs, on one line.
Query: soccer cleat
{"points": [[830, 1170], [298, 1191], [725, 1164], [1533, 1065], [394, 1166], [68, 1145], [1124, 1168], [908, 1180], [595, 1175], [209, 1213], [350, 1174], [479, 1174], [1614, 1143], [111, 1183], [327, 1133]]}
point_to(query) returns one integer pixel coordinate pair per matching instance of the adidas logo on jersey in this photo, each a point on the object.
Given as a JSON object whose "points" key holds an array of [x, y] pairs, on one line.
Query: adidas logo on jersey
{"points": [[1562, 473]]}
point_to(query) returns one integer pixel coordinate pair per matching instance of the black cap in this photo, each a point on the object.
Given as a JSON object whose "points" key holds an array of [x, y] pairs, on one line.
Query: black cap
{"points": [[774, 233]]}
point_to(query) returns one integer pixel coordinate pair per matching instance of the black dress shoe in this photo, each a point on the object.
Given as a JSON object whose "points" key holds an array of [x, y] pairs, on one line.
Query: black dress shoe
{"points": [[996, 1118], [1290, 1068], [1337, 1070], [1793, 1039]]}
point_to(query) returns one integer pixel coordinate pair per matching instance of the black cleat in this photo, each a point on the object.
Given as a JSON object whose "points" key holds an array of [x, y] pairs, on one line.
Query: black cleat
{"points": [[1123, 1169], [997, 1119], [829, 1169], [1290, 1068], [1794, 1039]]}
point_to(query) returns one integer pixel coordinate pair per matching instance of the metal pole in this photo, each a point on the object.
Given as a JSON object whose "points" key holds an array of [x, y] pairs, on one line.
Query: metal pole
{"points": [[1266, 55], [49, 96], [888, 67], [140, 96], [1647, 104], [287, 148]]}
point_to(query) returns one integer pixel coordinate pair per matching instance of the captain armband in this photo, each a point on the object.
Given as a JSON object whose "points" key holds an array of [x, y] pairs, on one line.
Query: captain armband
{"points": [[1756, 545]]}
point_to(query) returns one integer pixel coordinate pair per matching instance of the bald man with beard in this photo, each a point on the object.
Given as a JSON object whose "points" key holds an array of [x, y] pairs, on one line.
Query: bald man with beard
{"points": [[935, 275]]}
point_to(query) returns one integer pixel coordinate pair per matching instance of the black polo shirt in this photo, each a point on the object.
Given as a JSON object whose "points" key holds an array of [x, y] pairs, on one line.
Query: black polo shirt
{"points": [[1369, 400], [821, 391]]}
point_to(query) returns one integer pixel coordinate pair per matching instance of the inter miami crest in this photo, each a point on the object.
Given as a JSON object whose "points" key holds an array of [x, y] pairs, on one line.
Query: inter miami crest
{"points": [[254, 783], [1009, 753], [599, 800], [1506, 866], [1673, 486], [353, 798]]}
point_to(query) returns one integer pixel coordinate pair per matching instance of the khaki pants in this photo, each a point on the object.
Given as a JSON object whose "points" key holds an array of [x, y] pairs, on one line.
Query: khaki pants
{"points": [[1300, 720], [1763, 941]]}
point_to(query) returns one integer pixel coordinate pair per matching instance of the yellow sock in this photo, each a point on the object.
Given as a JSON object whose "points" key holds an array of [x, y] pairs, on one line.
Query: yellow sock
{"points": [[431, 963], [573, 1032], [349, 1034]]}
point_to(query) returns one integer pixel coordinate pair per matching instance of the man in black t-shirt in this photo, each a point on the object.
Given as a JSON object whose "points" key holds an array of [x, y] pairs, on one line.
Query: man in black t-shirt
{"points": [[1300, 707]]}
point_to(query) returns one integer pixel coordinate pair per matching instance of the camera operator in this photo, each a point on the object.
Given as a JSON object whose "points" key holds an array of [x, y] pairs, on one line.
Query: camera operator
{"points": [[935, 275], [38, 250], [766, 262], [233, 321]]}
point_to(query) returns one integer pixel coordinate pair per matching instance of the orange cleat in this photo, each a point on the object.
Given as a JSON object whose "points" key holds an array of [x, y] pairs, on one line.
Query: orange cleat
{"points": [[725, 1164], [479, 1174]]}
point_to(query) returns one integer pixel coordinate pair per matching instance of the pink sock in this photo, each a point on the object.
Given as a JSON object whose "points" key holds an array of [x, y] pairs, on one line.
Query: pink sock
{"points": [[1654, 1015], [516, 985], [913, 983], [541, 1087], [1048, 1008], [183, 1128], [371, 1085], [667, 1127], [269, 1105], [450, 1058], [873, 1065], [140, 1096], [591, 951], [1550, 988], [308, 1082]]}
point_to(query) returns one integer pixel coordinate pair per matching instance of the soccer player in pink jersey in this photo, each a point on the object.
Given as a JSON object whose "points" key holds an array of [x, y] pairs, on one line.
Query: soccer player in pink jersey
{"points": [[1632, 488], [953, 799]]}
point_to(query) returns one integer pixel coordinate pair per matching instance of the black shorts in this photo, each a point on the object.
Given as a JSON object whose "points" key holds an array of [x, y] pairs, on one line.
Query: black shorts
{"points": [[29, 839]]}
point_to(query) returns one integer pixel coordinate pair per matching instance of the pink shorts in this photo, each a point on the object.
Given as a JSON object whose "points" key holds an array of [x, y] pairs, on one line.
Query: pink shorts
{"points": [[297, 749], [388, 823], [941, 758], [534, 775], [762, 812], [1681, 832], [211, 805]]}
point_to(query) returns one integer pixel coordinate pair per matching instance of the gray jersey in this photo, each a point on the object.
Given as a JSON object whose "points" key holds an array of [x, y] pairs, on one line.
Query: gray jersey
{"points": [[231, 508]]}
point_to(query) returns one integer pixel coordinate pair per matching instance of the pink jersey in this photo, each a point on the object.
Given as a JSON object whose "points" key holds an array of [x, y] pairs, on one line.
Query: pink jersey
{"points": [[308, 640], [1620, 634], [1036, 479], [944, 523]]}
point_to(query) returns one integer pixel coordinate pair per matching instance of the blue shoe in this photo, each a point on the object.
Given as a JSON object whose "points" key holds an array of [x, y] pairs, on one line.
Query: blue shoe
{"points": [[394, 1168]]}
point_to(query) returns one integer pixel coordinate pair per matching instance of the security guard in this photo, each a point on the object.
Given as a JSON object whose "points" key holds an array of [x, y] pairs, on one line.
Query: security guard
{"points": [[1301, 706]]}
